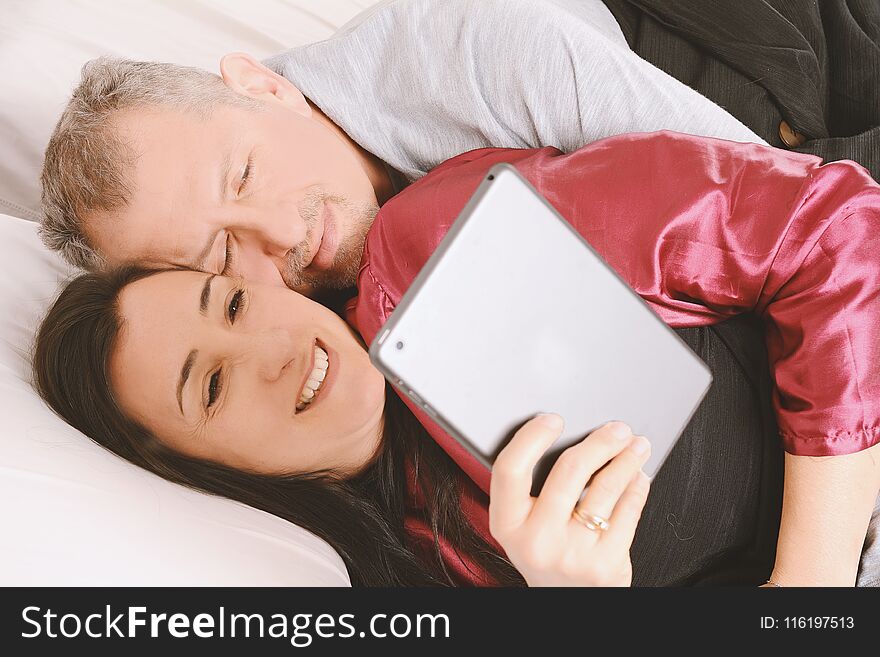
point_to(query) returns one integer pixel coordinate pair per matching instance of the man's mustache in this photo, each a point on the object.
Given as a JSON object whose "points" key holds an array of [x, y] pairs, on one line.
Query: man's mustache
{"points": [[360, 217]]}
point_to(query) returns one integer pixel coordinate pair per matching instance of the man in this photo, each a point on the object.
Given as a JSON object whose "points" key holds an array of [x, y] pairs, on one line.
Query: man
{"points": [[362, 99], [257, 187], [248, 176]]}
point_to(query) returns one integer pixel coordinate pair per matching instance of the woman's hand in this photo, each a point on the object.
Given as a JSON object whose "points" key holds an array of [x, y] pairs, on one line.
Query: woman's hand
{"points": [[542, 536]]}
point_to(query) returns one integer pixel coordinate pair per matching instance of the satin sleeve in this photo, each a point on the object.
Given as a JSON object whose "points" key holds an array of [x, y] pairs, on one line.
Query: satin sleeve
{"points": [[711, 228], [702, 229]]}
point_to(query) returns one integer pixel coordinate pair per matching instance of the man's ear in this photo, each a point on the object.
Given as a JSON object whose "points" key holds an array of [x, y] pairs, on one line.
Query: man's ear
{"points": [[245, 75]]}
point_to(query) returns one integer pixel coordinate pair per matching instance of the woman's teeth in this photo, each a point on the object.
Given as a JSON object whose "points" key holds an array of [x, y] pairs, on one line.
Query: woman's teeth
{"points": [[315, 380]]}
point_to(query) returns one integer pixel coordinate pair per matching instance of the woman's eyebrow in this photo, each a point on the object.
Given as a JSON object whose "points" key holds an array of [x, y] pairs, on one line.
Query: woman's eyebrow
{"points": [[206, 295], [204, 301], [184, 377]]}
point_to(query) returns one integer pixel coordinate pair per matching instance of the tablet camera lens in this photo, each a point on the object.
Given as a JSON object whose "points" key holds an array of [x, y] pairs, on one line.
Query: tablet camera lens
{"points": [[399, 345]]}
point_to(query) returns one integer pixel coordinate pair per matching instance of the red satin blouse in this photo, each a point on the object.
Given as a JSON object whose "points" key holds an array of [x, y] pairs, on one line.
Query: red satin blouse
{"points": [[701, 229]]}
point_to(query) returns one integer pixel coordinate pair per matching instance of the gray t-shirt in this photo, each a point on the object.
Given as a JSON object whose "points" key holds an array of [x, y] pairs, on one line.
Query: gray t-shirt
{"points": [[416, 82]]}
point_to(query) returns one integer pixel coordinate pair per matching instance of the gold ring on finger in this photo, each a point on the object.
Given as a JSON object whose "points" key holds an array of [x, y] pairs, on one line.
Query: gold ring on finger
{"points": [[590, 520]]}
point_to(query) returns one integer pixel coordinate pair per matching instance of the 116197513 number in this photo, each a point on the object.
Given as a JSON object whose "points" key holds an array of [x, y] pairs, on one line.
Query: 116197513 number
{"points": [[818, 622]]}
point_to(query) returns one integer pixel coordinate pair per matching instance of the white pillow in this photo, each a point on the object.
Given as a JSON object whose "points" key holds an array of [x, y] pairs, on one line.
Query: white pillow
{"points": [[70, 512], [75, 514]]}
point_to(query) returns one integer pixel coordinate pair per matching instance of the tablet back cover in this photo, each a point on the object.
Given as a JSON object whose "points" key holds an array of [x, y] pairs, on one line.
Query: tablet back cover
{"points": [[515, 314]]}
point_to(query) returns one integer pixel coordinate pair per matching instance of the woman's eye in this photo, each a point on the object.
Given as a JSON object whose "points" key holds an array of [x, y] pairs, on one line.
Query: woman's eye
{"points": [[246, 174], [213, 388], [235, 304]]}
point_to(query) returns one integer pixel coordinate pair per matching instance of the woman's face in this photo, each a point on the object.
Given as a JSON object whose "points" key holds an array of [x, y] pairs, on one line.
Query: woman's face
{"points": [[222, 371]]}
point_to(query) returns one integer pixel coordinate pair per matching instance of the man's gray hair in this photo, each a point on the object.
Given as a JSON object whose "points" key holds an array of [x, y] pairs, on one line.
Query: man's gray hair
{"points": [[87, 166]]}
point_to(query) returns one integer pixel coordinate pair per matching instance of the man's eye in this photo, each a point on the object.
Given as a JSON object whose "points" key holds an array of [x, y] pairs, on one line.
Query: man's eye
{"points": [[235, 305], [246, 174], [213, 388], [227, 259]]}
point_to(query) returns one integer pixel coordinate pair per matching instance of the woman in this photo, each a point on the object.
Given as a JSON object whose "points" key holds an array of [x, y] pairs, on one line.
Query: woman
{"points": [[266, 397], [797, 251], [705, 230]]}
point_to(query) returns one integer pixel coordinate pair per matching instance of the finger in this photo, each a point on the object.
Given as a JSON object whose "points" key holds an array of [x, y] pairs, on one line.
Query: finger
{"points": [[608, 484], [573, 469], [510, 499], [625, 518]]}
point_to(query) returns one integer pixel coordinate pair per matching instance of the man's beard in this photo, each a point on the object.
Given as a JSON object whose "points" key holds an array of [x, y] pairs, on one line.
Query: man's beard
{"points": [[347, 261]]}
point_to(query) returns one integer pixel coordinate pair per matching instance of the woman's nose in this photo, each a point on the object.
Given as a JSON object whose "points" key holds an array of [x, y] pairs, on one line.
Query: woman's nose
{"points": [[274, 351]]}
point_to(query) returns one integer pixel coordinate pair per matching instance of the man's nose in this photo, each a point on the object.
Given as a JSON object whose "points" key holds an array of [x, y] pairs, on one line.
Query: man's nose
{"points": [[265, 242], [256, 266], [276, 227]]}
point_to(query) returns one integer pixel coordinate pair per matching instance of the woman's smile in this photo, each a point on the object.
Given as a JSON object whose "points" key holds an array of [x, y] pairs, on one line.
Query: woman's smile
{"points": [[316, 374]]}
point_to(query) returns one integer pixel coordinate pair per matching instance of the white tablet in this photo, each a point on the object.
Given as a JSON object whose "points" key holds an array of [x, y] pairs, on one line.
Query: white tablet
{"points": [[515, 314]]}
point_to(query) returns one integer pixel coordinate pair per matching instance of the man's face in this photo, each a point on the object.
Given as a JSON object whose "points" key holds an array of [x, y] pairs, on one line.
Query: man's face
{"points": [[273, 196]]}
